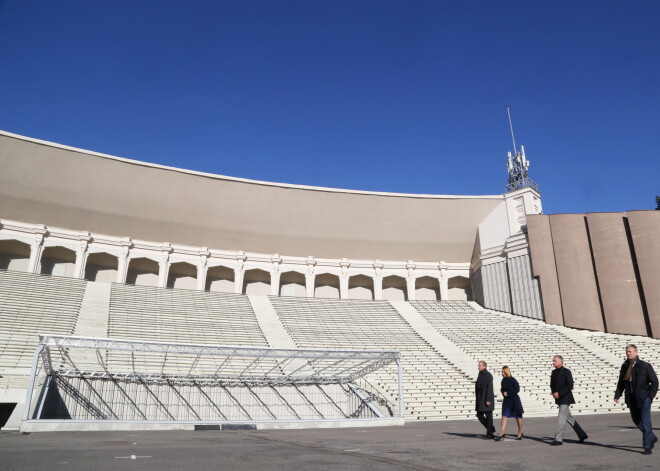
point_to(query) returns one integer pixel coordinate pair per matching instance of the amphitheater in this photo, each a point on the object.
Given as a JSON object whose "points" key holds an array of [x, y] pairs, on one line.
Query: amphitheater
{"points": [[134, 295]]}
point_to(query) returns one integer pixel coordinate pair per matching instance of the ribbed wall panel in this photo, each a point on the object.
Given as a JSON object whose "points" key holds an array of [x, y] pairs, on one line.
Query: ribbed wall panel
{"points": [[524, 288], [496, 286]]}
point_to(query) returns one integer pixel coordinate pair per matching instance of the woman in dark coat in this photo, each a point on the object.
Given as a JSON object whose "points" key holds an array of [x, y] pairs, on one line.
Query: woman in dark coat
{"points": [[511, 404]]}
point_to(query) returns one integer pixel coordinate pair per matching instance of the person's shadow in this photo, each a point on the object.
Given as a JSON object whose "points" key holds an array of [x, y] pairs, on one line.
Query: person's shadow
{"points": [[549, 440]]}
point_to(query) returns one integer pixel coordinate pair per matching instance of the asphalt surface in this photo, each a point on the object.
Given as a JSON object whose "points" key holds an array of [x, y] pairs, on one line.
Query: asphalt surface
{"points": [[614, 443]]}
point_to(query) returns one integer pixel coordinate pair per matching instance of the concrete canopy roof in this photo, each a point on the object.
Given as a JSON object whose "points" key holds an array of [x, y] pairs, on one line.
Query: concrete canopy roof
{"points": [[46, 183]]}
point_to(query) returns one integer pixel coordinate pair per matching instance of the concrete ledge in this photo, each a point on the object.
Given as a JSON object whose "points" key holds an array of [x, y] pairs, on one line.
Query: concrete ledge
{"points": [[32, 426]]}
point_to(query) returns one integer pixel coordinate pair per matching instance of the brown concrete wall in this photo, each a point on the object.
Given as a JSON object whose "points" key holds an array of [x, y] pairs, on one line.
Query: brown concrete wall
{"points": [[543, 266], [622, 305], [44, 183], [645, 231], [575, 272]]}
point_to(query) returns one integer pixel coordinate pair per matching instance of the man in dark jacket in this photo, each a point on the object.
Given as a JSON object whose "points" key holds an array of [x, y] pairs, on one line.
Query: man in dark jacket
{"points": [[561, 385], [485, 396], [640, 383]]}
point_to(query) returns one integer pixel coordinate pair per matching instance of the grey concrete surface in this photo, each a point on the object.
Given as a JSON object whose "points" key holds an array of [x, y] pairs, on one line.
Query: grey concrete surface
{"points": [[613, 443]]}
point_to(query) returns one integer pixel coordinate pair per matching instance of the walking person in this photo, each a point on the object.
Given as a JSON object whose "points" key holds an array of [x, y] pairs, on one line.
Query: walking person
{"points": [[485, 398], [512, 407], [640, 383], [561, 385]]}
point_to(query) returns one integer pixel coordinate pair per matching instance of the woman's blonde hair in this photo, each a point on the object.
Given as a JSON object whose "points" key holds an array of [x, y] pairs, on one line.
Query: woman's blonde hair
{"points": [[507, 371]]}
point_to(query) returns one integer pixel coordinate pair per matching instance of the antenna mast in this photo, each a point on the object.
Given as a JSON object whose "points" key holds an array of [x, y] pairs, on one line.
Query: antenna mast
{"points": [[518, 165], [508, 112]]}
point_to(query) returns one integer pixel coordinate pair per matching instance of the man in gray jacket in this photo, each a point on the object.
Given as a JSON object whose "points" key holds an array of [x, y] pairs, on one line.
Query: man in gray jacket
{"points": [[485, 397]]}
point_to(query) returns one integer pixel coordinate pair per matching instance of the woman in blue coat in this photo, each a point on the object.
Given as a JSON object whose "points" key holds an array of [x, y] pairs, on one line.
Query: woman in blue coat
{"points": [[511, 404]]}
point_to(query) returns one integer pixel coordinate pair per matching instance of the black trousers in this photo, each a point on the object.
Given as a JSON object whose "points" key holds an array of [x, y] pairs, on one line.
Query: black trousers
{"points": [[486, 419]]}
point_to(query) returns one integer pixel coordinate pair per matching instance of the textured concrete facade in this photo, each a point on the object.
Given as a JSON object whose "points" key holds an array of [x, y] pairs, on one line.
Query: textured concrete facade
{"points": [[645, 230], [575, 272], [599, 271], [59, 186], [622, 306]]}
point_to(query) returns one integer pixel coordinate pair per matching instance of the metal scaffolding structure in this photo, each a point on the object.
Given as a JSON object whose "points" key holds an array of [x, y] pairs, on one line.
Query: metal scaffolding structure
{"points": [[101, 379]]}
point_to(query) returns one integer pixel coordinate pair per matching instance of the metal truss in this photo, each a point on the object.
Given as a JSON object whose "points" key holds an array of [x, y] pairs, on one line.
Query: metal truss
{"points": [[131, 360]]}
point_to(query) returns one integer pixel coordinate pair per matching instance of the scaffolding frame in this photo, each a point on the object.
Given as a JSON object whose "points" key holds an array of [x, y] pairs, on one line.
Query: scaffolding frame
{"points": [[89, 359]]}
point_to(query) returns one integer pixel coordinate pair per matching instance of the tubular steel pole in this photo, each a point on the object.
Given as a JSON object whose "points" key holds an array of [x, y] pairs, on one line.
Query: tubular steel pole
{"points": [[33, 375], [400, 375]]}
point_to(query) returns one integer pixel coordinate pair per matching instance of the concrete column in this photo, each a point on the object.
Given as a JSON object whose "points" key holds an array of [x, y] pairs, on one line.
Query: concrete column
{"points": [[444, 281], [310, 277], [81, 257], [410, 280], [164, 265], [123, 262], [239, 271], [343, 279], [378, 280], [202, 269], [275, 275], [36, 249]]}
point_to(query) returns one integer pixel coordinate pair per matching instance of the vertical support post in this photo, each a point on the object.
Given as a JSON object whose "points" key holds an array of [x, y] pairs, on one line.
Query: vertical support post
{"points": [[378, 280], [202, 269], [343, 279], [123, 261], [442, 279], [310, 277], [239, 272], [410, 280], [36, 248], [399, 367], [275, 274], [33, 375]]}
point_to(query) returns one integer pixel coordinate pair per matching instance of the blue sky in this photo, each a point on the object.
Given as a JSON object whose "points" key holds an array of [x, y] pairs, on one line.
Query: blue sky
{"points": [[398, 96]]}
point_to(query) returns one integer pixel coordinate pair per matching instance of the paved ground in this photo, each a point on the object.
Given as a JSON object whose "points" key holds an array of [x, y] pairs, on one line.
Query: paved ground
{"points": [[457, 445]]}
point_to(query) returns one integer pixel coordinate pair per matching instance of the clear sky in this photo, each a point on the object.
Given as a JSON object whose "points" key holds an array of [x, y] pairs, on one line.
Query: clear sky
{"points": [[397, 96]]}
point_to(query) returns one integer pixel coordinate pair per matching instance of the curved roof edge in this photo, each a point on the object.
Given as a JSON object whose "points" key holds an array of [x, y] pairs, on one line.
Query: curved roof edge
{"points": [[242, 180]]}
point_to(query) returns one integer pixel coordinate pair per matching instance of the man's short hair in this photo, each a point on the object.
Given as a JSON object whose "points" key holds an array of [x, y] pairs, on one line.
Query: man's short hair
{"points": [[483, 362], [560, 358], [631, 345]]}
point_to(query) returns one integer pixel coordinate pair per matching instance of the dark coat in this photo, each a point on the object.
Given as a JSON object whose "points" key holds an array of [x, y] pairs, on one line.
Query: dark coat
{"points": [[511, 401], [643, 383], [484, 393], [561, 381]]}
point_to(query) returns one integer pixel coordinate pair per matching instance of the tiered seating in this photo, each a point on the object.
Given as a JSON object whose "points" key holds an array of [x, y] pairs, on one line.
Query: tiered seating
{"points": [[31, 305], [527, 347], [649, 349], [434, 388], [178, 315]]}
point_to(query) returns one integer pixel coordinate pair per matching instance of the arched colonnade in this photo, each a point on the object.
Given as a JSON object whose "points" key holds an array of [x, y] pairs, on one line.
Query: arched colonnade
{"points": [[37, 249]]}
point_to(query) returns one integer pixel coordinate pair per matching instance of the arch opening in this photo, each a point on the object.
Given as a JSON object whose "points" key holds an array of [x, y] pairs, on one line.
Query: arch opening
{"points": [[460, 289], [326, 286], [220, 279], [14, 255], [360, 287], [395, 288], [256, 282], [101, 267], [142, 272], [57, 261], [182, 275], [427, 288], [292, 283]]}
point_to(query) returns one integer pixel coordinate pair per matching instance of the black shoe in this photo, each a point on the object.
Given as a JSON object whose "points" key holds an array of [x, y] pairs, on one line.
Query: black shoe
{"points": [[556, 443], [490, 436], [647, 451], [582, 439], [519, 437], [499, 437]]}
